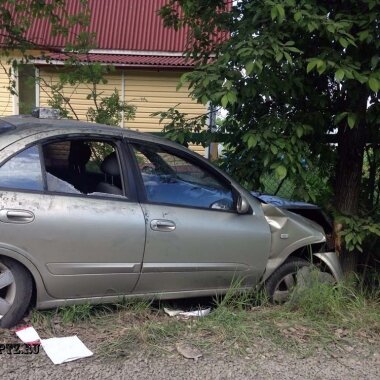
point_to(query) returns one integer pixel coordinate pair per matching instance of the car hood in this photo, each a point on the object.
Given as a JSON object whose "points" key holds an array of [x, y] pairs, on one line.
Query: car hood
{"points": [[282, 202]]}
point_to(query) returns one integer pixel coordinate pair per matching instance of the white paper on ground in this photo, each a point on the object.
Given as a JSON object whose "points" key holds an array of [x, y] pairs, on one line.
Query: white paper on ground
{"points": [[28, 335], [187, 314], [172, 313], [67, 349], [196, 313]]}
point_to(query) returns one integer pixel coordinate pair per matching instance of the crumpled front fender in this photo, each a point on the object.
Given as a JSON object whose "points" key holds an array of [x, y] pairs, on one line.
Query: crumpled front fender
{"points": [[332, 262], [291, 232]]}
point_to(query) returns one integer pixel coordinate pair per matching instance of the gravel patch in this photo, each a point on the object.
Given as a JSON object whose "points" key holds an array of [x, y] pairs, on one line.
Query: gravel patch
{"points": [[262, 361]]}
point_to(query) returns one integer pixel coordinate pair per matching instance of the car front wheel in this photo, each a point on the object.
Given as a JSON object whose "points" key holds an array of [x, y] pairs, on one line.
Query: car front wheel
{"points": [[294, 271], [15, 292]]}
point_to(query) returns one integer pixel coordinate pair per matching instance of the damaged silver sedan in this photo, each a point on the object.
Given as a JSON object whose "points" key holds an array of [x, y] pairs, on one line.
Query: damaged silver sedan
{"points": [[91, 213]]}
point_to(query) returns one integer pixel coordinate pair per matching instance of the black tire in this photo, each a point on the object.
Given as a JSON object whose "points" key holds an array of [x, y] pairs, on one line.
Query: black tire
{"points": [[17, 294], [283, 279]]}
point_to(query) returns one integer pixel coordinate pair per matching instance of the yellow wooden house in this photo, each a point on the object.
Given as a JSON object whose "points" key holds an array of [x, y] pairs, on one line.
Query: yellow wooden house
{"points": [[148, 61]]}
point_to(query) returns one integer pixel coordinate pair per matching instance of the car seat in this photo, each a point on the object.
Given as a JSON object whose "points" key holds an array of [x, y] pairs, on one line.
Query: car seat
{"points": [[112, 181]]}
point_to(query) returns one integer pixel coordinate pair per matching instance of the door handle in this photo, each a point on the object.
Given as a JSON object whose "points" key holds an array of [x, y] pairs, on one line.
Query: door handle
{"points": [[162, 225], [16, 216]]}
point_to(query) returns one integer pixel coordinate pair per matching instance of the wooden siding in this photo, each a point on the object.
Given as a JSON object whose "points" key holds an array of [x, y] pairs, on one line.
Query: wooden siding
{"points": [[6, 99], [153, 91], [149, 91], [77, 94]]}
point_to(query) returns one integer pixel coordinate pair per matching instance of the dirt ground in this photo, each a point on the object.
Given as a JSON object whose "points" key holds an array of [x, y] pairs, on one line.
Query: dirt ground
{"points": [[262, 360]]}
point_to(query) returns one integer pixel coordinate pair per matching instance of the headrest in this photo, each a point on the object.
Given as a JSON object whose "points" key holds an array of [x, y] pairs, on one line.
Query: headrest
{"points": [[110, 165], [80, 153]]}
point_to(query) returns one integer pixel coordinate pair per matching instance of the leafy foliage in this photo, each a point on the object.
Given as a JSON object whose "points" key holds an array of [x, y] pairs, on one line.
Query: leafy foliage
{"points": [[178, 127], [357, 229], [108, 110], [293, 76], [286, 75]]}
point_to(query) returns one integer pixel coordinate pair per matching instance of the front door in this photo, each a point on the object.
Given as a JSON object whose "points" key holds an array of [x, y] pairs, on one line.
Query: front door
{"points": [[195, 238]]}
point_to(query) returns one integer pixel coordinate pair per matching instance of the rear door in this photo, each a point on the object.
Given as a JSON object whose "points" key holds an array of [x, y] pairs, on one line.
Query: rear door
{"points": [[195, 238], [72, 216]]}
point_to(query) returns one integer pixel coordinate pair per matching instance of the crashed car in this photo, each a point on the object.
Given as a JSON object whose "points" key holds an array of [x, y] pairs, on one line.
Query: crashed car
{"points": [[308, 210], [93, 213]]}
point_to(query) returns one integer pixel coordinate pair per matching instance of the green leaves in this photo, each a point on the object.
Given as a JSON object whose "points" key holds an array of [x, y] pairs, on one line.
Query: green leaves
{"points": [[340, 117], [231, 96], [278, 56], [311, 65], [315, 63], [364, 35], [344, 42], [228, 98], [278, 12], [252, 141], [274, 149], [351, 120], [356, 230], [339, 75], [224, 101], [374, 84], [281, 172], [256, 66], [249, 67], [109, 109], [288, 57], [297, 16], [299, 70]]}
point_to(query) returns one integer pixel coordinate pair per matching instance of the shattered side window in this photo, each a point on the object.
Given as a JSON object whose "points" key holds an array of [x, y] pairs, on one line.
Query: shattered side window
{"points": [[56, 184], [23, 171], [83, 166]]}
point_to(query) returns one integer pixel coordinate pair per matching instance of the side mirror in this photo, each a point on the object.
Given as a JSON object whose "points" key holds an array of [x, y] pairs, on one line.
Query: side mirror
{"points": [[242, 205]]}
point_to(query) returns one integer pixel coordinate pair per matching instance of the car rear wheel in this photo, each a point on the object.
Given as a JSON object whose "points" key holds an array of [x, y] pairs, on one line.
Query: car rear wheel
{"points": [[15, 292], [283, 280]]}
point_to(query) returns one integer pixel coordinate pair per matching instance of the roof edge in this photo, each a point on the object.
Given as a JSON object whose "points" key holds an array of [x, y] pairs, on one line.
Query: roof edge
{"points": [[137, 52]]}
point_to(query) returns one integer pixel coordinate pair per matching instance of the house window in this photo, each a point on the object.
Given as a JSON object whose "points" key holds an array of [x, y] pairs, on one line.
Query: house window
{"points": [[26, 88]]}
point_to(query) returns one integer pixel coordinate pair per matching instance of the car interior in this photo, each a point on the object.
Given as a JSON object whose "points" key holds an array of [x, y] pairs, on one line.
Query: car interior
{"points": [[83, 166]]}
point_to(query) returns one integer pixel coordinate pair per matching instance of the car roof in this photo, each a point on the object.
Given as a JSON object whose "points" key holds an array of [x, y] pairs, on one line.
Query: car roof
{"points": [[14, 128]]}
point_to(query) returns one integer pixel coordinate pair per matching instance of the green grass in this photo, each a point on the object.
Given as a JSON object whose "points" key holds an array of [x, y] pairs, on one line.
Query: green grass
{"points": [[320, 315], [346, 304], [87, 312]]}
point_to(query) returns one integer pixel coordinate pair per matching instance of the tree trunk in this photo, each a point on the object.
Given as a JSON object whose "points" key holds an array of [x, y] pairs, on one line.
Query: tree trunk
{"points": [[351, 144], [349, 167]]}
